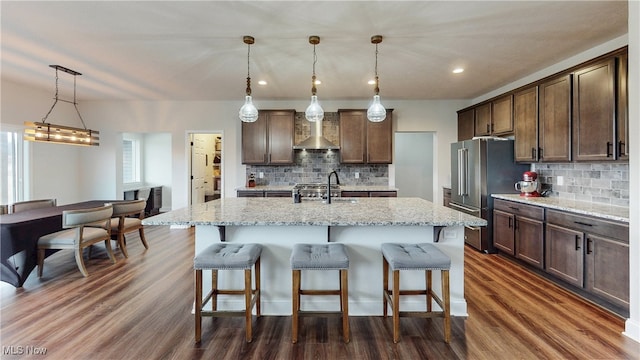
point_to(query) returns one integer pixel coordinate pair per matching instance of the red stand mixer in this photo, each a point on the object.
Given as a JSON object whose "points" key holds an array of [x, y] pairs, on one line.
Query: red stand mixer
{"points": [[529, 186]]}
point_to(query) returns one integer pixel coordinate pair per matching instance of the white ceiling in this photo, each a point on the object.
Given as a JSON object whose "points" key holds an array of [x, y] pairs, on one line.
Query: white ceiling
{"points": [[178, 50]]}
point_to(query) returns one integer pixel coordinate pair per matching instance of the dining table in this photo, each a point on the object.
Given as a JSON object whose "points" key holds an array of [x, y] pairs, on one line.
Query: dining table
{"points": [[20, 233]]}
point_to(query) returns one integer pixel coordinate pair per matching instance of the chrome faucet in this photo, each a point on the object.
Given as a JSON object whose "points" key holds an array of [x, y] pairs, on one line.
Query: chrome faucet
{"points": [[329, 185]]}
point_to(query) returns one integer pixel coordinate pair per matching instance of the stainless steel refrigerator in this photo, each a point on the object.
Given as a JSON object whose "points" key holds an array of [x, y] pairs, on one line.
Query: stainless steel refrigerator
{"points": [[479, 168]]}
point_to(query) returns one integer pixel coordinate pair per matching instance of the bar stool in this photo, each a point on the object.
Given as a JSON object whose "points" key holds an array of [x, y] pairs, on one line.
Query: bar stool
{"points": [[415, 257], [227, 257], [320, 257]]}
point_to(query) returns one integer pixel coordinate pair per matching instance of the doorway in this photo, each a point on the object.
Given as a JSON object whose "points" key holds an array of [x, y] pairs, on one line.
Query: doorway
{"points": [[414, 164], [206, 167]]}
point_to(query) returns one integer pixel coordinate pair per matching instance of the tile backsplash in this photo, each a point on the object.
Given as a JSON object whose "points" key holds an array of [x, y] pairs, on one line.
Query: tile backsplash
{"points": [[313, 166], [606, 183]]}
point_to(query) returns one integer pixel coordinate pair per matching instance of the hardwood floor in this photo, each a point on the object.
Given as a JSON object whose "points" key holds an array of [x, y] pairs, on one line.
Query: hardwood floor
{"points": [[140, 308]]}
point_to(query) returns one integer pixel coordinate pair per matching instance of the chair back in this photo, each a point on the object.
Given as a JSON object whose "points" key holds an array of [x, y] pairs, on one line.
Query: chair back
{"points": [[143, 194], [4, 209], [32, 204], [131, 207], [74, 218]]}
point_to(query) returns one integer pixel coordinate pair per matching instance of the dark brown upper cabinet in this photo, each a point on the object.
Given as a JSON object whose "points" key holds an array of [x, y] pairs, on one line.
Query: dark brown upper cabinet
{"points": [[525, 123], [363, 141], [483, 120], [594, 110], [554, 121], [502, 115], [466, 124], [269, 140], [623, 108]]}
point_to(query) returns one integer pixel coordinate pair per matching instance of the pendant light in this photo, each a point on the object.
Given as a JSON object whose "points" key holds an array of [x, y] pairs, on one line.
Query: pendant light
{"points": [[376, 112], [48, 132], [248, 111], [314, 111]]}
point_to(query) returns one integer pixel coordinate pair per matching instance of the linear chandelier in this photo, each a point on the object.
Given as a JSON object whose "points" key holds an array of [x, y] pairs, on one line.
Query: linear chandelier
{"points": [[47, 132]]}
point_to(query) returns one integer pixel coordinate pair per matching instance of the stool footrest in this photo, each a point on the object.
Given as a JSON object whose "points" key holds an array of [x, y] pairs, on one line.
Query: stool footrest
{"points": [[319, 292], [223, 313], [421, 314], [320, 313]]}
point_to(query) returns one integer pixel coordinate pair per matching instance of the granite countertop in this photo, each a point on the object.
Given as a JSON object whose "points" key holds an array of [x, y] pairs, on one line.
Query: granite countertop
{"points": [[604, 211], [341, 212], [342, 188]]}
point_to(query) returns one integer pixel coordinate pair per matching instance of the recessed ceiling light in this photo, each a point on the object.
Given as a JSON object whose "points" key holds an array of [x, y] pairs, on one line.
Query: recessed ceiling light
{"points": [[262, 82], [458, 70]]}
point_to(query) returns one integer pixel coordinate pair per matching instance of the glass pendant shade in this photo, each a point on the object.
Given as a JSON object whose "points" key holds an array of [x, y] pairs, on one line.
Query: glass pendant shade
{"points": [[248, 111], [376, 111], [314, 111]]}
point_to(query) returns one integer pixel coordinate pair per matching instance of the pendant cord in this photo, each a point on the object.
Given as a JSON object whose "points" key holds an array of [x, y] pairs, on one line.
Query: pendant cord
{"points": [[313, 78], [75, 103], [248, 90], [377, 89]]}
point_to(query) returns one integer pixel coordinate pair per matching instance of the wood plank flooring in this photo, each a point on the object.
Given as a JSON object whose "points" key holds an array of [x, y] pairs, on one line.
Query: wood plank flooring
{"points": [[140, 308]]}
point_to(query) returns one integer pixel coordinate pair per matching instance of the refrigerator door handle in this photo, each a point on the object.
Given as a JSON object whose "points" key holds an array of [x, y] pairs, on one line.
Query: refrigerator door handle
{"points": [[460, 191], [465, 172], [464, 208]]}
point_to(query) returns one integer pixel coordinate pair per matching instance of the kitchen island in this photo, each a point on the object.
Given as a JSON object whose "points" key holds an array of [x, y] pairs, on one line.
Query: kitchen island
{"points": [[362, 224]]}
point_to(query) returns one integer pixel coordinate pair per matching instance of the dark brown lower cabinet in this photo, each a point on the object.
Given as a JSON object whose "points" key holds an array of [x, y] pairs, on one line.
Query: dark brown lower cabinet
{"points": [[590, 253], [369, 193], [518, 230], [250, 193]]}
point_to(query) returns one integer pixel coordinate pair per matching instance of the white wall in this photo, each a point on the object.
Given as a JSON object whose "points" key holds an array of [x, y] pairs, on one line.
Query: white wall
{"points": [[93, 173]]}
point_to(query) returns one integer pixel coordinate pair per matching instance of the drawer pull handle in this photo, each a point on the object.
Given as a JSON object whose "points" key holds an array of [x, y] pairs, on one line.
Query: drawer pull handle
{"points": [[514, 208], [582, 223]]}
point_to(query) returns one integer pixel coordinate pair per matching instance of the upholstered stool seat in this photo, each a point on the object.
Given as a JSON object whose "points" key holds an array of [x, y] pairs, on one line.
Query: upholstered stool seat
{"points": [[427, 257], [320, 257], [227, 257]]}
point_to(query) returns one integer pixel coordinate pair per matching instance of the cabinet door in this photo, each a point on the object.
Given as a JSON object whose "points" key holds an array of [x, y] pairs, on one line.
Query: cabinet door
{"points": [[250, 193], [352, 136], [503, 231], [280, 136], [623, 108], [594, 112], [502, 116], [483, 120], [354, 194], [530, 241], [564, 254], [379, 141], [277, 193], [555, 120], [607, 263], [383, 194], [254, 140], [466, 125], [525, 118]]}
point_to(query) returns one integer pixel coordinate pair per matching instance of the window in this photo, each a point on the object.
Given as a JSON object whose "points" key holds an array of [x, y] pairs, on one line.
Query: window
{"points": [[11, 167], [130, 161]]}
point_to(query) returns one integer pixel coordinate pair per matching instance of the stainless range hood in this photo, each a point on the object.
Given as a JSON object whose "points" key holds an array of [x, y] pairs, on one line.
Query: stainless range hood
{"points": [[316, 141]]}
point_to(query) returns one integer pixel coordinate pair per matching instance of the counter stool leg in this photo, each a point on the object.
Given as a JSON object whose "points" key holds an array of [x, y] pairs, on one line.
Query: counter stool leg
{"points": [[247, 304], [257, 276], [447, 305], [344, 303], [385, 285], [198, 306], [214, 290], [295, 305], [396, 306], [428, 277]]}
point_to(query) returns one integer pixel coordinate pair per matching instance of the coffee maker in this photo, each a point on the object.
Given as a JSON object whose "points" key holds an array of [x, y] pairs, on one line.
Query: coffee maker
{"points": [[529, 186]]}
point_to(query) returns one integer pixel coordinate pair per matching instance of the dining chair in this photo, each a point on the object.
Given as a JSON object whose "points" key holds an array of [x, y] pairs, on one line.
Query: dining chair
{"points": [[4, 209], [32, 204], [127, 217], [82, 228]]}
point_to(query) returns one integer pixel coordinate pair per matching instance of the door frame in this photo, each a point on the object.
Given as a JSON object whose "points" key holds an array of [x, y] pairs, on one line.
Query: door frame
{"points": [[188, 148]]}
